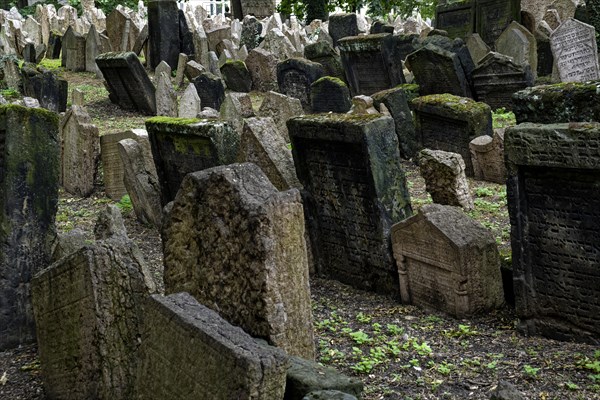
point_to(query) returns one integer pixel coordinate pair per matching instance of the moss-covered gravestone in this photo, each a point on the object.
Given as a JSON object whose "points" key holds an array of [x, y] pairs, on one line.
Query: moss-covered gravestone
{"points": [[330, 94], [47, 87], [323, 53], [354, 190], [449, 123], [294, 77], [29, 176], [236, 76]]}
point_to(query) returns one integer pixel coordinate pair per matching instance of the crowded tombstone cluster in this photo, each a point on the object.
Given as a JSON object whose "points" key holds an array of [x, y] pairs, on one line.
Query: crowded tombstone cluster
{"points": [[271, 153]]}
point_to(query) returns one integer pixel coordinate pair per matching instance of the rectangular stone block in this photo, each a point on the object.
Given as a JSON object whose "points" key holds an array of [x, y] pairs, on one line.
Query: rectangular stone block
{"points": [[458, 19], [493, 16]]}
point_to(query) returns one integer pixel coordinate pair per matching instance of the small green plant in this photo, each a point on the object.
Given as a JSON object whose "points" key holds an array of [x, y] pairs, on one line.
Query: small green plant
{"points": [[502, 118], [394, 329], [10, 94], [360, 337], [461, 331], [530, 371], [571, 386], [125, 204], [484, 192], [445, 368], [422, 349], [365, 319]]}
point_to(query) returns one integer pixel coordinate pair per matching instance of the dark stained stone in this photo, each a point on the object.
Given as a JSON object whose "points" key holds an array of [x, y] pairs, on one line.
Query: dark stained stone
{"points": [[163, 33], [210, 90], [236, 76], [330, 94], [294, 77]]}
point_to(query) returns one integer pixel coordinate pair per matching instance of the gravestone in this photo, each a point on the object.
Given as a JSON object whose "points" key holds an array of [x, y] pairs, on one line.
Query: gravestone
{"points": [[117, 25], [264, 146], [80, 151], [216, 360], [354, 190], [341, 26], [457, 47], [544, 52], [438, 71], [127, 82], [181, 64], [323, 53], [73, 51], [251, 32], [456, 18], [163, 33], [396, 101], [264, 290], [497, 78], [487, 155], [367, 69], [449, 123], [211, 90], [50, 90], [519, 44], [216, 36], [29, 181], [236, 76], [263, 69], [447, 262], [294, 77], [329, 94], [54, 45], [281, 108], [187, 35], [162, 67], [445, 179], [192, 70], [493, 16], [189, 103], [180, 146], [575, 51], [477, 47], [88, 311], [166, 98], [554, 202], [235, 108], [93, 47], [29, 53]]}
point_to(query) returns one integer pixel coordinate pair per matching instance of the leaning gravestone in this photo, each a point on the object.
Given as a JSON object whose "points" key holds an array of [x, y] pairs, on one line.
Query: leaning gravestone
{"points": [[323, 53], [188, 352], [354, 189], [236, 76], [50, 90], [487, 156], [73, 51], [456, 18], [519, 44], [163, 33], [211, 90], [329, 94], [262, 66], [30, 160], [341, 26], [294, 77], [281, 108], [127, 82], [447, 261], [251, 246], [180, 146], [493, 16], [554, 202], [575, 52]]}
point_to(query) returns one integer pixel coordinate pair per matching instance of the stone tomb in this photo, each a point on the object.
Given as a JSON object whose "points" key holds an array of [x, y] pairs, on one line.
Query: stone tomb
{"points": [[189, 352], [554, 207], [180, 147], [447, 262], [575, 52], [127, 82], [354, 190], [29, 180], [493, 16], [456, 18], [249, 260], [449, 123], [295, 76]]}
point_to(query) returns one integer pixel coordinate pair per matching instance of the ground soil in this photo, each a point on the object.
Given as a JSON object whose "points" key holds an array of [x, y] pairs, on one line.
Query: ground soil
{"points": [[398, 351]]}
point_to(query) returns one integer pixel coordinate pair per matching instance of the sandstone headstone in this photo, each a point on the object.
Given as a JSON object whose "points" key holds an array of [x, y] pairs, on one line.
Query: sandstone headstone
{"points": [[73, 51], [93, 47], [162, 67], [193, 69], [294, 77], [519, 44], [487, 155], [263, 69], [477, 47], [189, 103], [330, 94], [163, 33], [237, 206], [166, 98], [396, 101], [181, 64], [281, 108], [235, 108], [575, 51]]}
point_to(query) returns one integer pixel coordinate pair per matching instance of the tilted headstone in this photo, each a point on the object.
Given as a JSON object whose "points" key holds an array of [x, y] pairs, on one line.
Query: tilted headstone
{"points": [[341, 26], [281, 108], [449, 123], [324, 54], [553, 202], [189, 103], [192, 70], [162, 67], [50, 90], [487, 156], [497, 78], [445, 179], [330, 94], [263, 69], [575, 51], [73, 51], [54, 45], [354, 190], [211, 90], [236, 76], [457, 47], [447, 262], [180, 146], [456, 18], [519, 44], [127, 82], [294, 77], [367, 69], [251, 32], [493, 16], [80, 151], [181, 64], [235, 108], [265, 291], [163, 33], [117, 25], [216, 36], [215, 360], [187, 34], [277, 43], [477, 47], [30, 155], [166, 98], [264, 146], [88, 310]]}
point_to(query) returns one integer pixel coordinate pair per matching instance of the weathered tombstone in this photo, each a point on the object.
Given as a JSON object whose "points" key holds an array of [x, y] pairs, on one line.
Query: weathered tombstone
{"points": [[187, 34], [341, 26], [181, 64], [192, 70], [235, 108], [117, 24], [51, 91], [54, 45], [166, 98], [264, 146], [493, 16], [447, 261], [575, 51], [162, 67], [330, 94], [263, 69], [163, 33], [80, 152], [477, 47], [180, 146], [445, 179], [457, 47], [363, 105], [236, 76], [77, 97], [497, 78], [251, 32], [456, 18], [294, 77], [449, 123], [281, 108], [93, 47], [88, 310], [354, 190], [141, 182], [218, 360], [189, 103], [544, 52], [519, 44], [396, 101], [487, 156], [267, 288], [324, 54], [438, 71], [30, 155], [367, 69], [73, 51], [128, 83], [553, 202], [211, 90]]}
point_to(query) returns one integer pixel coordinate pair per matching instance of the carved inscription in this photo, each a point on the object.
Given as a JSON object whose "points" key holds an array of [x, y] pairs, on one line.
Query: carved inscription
{"points": [[563, 255], [574, 48], [492, 18], [370, 72], [431, 285], [118, 79], [457, 22], [296, 84]]}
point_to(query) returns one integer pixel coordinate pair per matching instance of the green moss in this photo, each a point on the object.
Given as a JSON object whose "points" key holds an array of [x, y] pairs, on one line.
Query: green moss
{"points": [[42, 112], [199, 146], [51, 64], [456, 104], [331, 79], [172, 120]]}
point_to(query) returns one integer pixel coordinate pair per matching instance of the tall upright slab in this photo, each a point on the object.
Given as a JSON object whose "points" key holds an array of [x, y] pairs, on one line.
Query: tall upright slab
{"points": [[493, 16], [163, 33], [354, 190], [29, 176], [554, 206], [575, 52], [456, 18]]}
